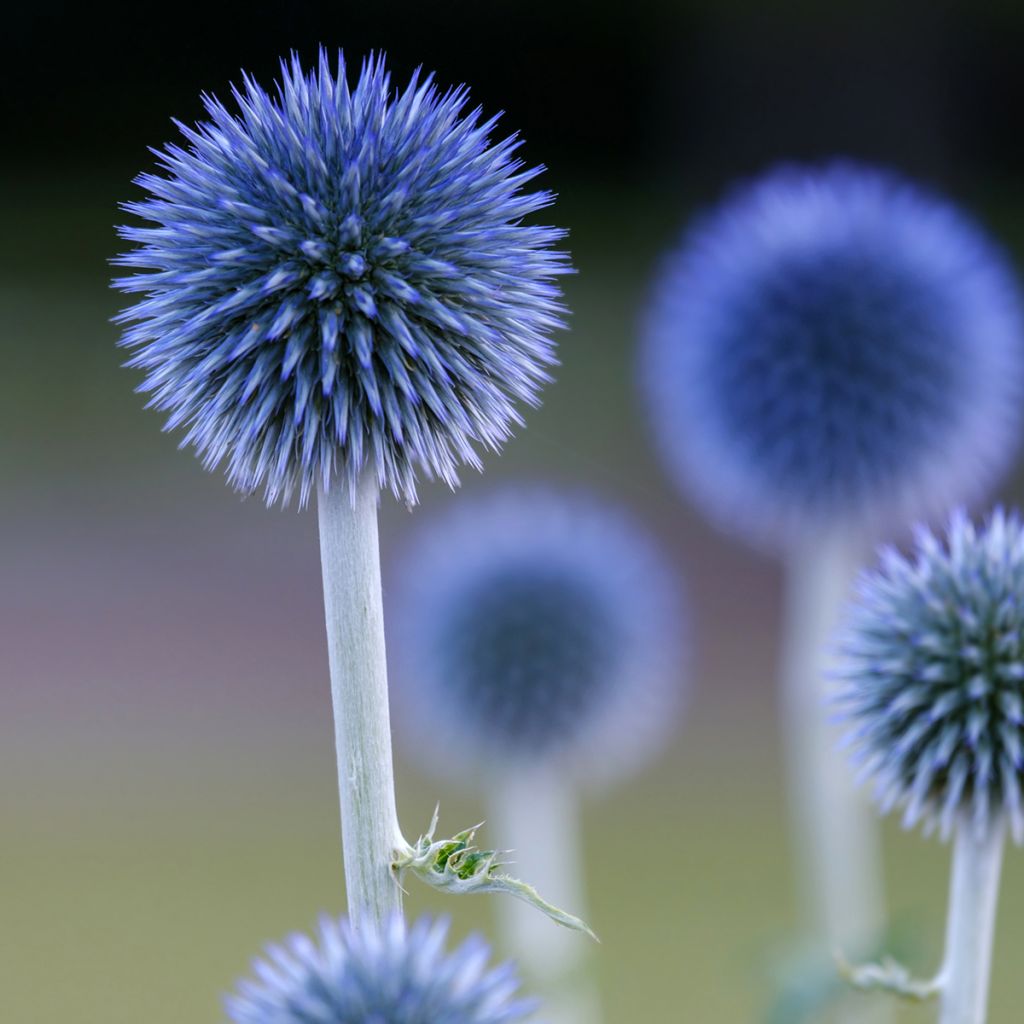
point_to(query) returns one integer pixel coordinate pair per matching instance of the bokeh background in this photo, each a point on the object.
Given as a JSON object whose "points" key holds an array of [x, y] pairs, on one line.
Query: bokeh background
{"points": [[167, 785]]}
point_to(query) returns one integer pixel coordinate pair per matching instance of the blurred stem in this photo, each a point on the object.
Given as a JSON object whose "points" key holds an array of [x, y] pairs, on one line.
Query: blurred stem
{"points": [[970, 931], [839, 854], [536, 817], [350, 559]]}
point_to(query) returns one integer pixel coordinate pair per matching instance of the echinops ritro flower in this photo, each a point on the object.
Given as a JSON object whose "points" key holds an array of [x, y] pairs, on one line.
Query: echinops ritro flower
{"points": [[337, 278], [392, 975], [933, 683], [531, 629], [831, 346]]}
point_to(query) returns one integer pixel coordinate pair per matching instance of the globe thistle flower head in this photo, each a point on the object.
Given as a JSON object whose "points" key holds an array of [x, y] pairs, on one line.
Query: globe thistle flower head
{"points": [[834, 345], [338, 278], [533, 629], [933, 679], [394, 975]]}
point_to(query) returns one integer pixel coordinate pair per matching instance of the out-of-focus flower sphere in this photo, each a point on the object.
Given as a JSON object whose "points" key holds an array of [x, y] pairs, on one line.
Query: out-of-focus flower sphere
{"points": [[395, 975], [534, 629], [338, 278], [834, 345], [933, 686]]}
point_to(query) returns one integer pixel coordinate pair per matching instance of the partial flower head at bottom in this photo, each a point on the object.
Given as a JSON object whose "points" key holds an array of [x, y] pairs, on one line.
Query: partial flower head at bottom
{"points": [[397, 974]]}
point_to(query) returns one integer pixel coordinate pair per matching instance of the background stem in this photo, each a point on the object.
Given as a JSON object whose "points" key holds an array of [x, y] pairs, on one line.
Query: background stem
{"points": [[536, 815], [838, 839], [970, 931], [350, 559]]}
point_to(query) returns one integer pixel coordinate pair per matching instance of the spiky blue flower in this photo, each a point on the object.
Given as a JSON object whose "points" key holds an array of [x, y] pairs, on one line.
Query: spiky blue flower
{"points": [[338, 278], [834, 345], [933, 682], [394, 975], [531, 628]]}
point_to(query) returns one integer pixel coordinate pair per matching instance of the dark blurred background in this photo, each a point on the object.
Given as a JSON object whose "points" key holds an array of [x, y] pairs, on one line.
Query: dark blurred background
{"points": [[167, 796]]}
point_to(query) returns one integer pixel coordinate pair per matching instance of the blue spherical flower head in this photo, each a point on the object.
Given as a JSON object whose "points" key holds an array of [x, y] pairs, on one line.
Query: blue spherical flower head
{"points": [[834, 346], [337, 278], [395, 975], [531, 629], [933, 686]]}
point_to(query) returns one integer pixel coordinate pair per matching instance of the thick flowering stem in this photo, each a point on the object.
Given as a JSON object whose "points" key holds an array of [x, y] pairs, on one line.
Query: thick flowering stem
{"points": [[350, 559], [970, 930], [838, 852]]}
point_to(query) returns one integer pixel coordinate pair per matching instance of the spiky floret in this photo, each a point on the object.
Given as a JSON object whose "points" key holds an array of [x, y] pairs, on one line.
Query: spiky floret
{"points": [[933, 681], [533, 628], [394, 975], [834, 344], [335, 278]]}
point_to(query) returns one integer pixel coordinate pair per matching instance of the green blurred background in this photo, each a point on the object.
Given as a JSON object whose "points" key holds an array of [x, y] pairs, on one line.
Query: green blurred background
{"points": [[167, 786]]}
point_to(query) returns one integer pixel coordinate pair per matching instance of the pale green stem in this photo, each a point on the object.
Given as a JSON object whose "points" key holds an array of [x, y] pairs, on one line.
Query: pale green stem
{"points": [[350, 559], [970, 930], [838, 848], [536, 817]]}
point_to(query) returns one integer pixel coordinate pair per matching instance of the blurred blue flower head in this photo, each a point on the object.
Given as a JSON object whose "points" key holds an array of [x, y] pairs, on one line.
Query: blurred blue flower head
{"points": [[834, 345], [531, 629], [933, 679], [396, 975], [338, 278]]}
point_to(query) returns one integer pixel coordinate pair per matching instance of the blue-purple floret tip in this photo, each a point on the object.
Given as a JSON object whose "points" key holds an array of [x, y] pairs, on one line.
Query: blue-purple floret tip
{"points": [[337, 280]]}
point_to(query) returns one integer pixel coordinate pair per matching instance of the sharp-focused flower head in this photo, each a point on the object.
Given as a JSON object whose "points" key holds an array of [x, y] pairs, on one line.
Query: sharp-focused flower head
{"points": [[340, 278], [933, 685], [396, 975], [834, 345], [531, 629]]}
